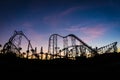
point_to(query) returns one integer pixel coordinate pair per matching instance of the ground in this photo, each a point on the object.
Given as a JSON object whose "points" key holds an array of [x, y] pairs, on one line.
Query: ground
{"points": [[109, 62]]}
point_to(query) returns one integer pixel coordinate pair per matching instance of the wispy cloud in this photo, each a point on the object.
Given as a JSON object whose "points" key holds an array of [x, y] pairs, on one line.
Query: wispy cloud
{"points": [[95, 31], [55, 19], [69, 10], [89, 32], [74, 28]]}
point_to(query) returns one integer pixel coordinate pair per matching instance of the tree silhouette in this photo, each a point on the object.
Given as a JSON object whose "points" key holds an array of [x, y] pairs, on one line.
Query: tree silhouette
{"points": [[0, 45]]}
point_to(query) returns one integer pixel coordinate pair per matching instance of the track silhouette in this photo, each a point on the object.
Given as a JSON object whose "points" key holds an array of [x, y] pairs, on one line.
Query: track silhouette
{"points": [[70, 55]]}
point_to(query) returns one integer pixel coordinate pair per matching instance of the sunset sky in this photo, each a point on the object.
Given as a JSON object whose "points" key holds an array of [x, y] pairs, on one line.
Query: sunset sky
{"points": [[96, 22]]}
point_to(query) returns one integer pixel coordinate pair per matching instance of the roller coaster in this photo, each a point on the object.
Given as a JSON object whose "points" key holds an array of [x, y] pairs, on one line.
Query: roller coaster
{"points": [[68, 47], [14, 44], [73, 47]]}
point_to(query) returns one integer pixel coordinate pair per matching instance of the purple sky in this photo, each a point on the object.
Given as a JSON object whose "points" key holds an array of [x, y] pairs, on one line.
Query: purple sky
{"points": [[97, 22]]}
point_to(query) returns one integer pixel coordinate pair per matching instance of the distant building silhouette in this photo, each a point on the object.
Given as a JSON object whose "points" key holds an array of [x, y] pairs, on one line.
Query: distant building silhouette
{"points": [[41, 52]]}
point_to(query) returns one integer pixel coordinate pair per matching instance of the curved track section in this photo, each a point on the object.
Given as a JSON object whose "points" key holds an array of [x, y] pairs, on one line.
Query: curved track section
{"points": [[15, 42], [69, 46]]}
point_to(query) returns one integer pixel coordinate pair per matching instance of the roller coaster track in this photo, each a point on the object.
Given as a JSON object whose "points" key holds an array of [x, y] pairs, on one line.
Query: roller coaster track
{"points": [[75, 47], [79, 49], [69, 46], [108, 48], [14, 43]]}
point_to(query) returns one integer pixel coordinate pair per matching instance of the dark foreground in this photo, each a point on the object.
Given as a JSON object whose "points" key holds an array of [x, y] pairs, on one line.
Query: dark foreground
{"points": [[109, 62]]}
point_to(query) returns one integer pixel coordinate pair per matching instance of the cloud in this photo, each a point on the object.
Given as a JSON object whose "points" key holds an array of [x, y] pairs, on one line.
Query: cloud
{"points": [[73, 28], [95, 31], [69, 10], [90, 32], [55, 19]]}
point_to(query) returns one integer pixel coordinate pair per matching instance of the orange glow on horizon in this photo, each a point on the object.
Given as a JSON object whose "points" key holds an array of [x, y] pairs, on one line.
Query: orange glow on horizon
{"points": [[118, 49]]}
